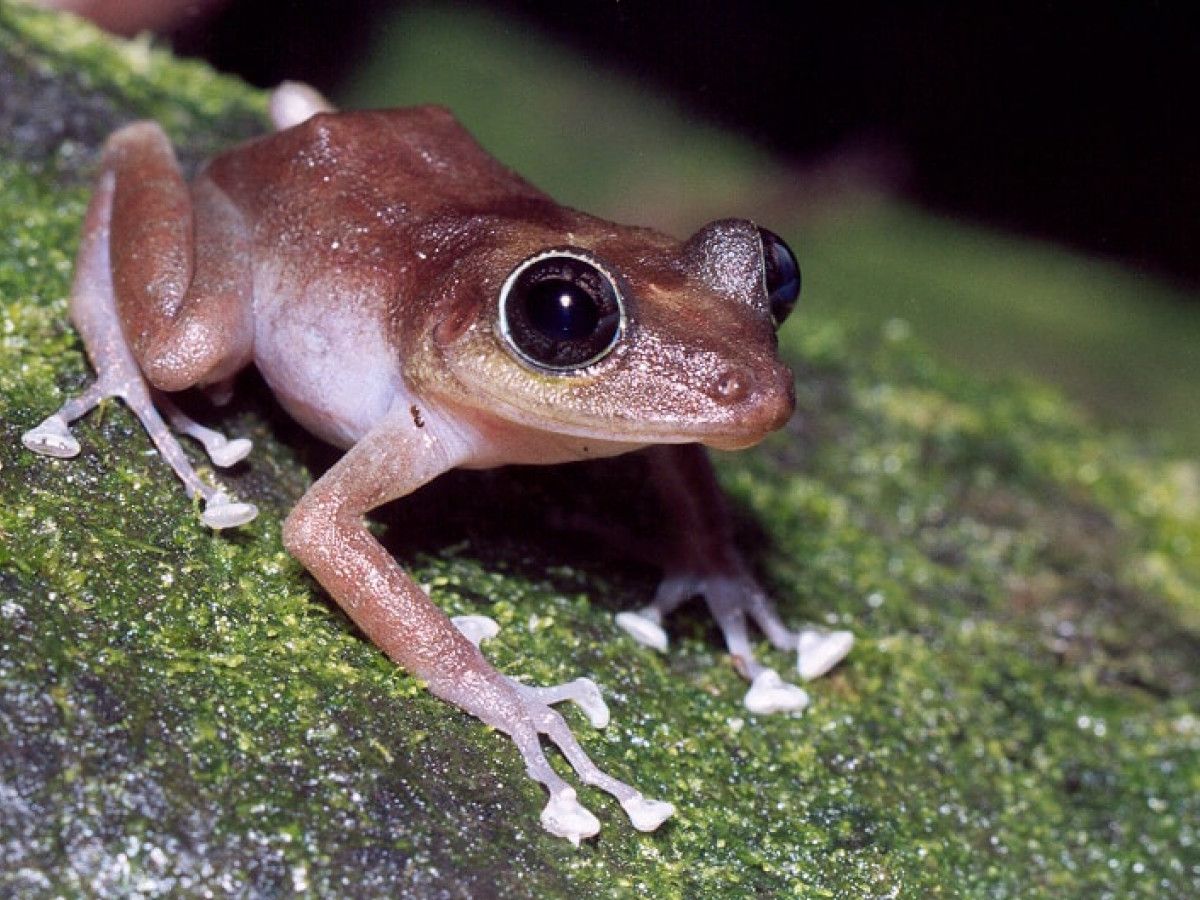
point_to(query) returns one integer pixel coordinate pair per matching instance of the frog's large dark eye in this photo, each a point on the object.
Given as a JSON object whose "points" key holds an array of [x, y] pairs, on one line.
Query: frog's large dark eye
{"points": [[560, 311], [781, 275]]}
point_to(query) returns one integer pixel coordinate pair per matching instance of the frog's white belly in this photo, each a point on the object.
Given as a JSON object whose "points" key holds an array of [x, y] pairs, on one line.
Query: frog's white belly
{"points": [[328, 362]]}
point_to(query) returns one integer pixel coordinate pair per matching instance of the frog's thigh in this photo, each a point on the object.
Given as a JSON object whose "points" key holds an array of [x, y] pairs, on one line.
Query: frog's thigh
{"points": [[180, 265]]}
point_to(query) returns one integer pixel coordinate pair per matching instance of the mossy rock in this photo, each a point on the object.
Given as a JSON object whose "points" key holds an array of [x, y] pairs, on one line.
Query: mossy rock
{"points": [[185, 713]]}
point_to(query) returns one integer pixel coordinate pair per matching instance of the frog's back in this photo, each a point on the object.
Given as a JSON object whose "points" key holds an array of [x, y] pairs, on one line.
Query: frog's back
{"points": [[382, 164]]}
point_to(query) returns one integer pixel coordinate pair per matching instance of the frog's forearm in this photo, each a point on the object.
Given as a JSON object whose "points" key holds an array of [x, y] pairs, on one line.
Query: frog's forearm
{"points": [[326, 533], [375, 592], [692, 499]]}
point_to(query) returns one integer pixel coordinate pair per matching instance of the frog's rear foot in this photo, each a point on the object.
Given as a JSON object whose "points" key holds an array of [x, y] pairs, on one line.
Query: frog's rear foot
{"points": [[53, 437], [222, 511], [224, 452]]}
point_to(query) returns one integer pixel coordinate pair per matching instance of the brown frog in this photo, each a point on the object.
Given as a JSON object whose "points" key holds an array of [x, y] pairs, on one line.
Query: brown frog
{"points": [[414, 302]]}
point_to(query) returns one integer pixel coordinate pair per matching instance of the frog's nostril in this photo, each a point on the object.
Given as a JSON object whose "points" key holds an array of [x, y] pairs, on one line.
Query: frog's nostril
{"points": [[731, 386]]}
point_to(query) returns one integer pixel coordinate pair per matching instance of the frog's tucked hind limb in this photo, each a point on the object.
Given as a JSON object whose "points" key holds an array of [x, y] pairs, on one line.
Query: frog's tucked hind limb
{"points": [[146, 281], [171, 265]]}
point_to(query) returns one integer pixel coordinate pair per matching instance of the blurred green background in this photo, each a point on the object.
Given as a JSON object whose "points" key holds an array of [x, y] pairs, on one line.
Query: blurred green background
{"points": [[1124, 345]]}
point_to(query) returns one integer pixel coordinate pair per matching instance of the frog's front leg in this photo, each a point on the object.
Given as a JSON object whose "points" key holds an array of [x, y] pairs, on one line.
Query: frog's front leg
{"points": [[704, 562], [160, 295], [326, 532]]}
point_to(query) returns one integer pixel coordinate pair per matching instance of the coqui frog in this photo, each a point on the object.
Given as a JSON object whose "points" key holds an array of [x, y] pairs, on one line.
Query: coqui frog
{"points": [[409, 299]]}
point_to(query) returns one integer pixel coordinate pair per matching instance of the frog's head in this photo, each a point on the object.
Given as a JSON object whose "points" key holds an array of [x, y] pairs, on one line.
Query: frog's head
{"points": [[621, 334]]}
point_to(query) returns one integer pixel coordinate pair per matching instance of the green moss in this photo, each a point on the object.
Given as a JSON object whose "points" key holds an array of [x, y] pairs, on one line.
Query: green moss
{"points": [[182, 711]]}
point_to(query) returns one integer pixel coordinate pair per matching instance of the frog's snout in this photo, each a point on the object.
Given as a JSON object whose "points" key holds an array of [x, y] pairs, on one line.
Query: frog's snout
{"points": [[761, 399]]}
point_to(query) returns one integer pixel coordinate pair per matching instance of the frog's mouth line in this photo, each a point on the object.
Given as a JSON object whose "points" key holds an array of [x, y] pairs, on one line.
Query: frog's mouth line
{"points": [[616, 431]]}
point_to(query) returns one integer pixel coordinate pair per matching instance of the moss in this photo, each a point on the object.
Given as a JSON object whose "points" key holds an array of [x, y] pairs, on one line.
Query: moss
{"points": [[182, 711]]}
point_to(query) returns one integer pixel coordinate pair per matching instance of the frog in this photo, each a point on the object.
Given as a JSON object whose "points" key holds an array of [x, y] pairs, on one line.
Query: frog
{"points": [[415, 303]]}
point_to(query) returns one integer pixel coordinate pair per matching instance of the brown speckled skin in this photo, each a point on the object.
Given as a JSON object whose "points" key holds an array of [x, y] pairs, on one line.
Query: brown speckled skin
{"points": [[356, 258]]}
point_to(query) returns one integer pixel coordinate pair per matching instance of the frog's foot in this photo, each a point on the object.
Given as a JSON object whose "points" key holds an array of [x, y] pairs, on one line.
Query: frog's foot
{"points": [[223, 451], [222, 511], [733, 597], [582, 691], [564, 815], [53, 438]]}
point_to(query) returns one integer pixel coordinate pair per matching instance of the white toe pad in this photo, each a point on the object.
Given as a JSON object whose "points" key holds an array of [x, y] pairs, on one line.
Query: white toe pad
{"points": [[646, 815], [476, 629], [770, 694], [565, 816], [642, 629], [293, 103], [51, 438], [592, 703], [818, 651], [221, 512], [230, 453]]}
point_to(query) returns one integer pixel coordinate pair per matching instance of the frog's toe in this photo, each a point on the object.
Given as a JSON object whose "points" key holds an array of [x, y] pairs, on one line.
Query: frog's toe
{"points": [[646, 814], [583, 692], [771, 694], [293, 103], [52, 438], [586, 695], [221, 511], [226, 453], [565, 816], [644, 627], [818, 650]]}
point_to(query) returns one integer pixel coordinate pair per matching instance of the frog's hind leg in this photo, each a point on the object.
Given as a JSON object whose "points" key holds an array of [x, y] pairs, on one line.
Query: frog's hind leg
{"points": [[94, 309]]}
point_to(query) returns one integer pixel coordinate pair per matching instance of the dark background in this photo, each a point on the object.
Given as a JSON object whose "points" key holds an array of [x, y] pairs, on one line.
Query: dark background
{"points": [[1077, 124]]}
